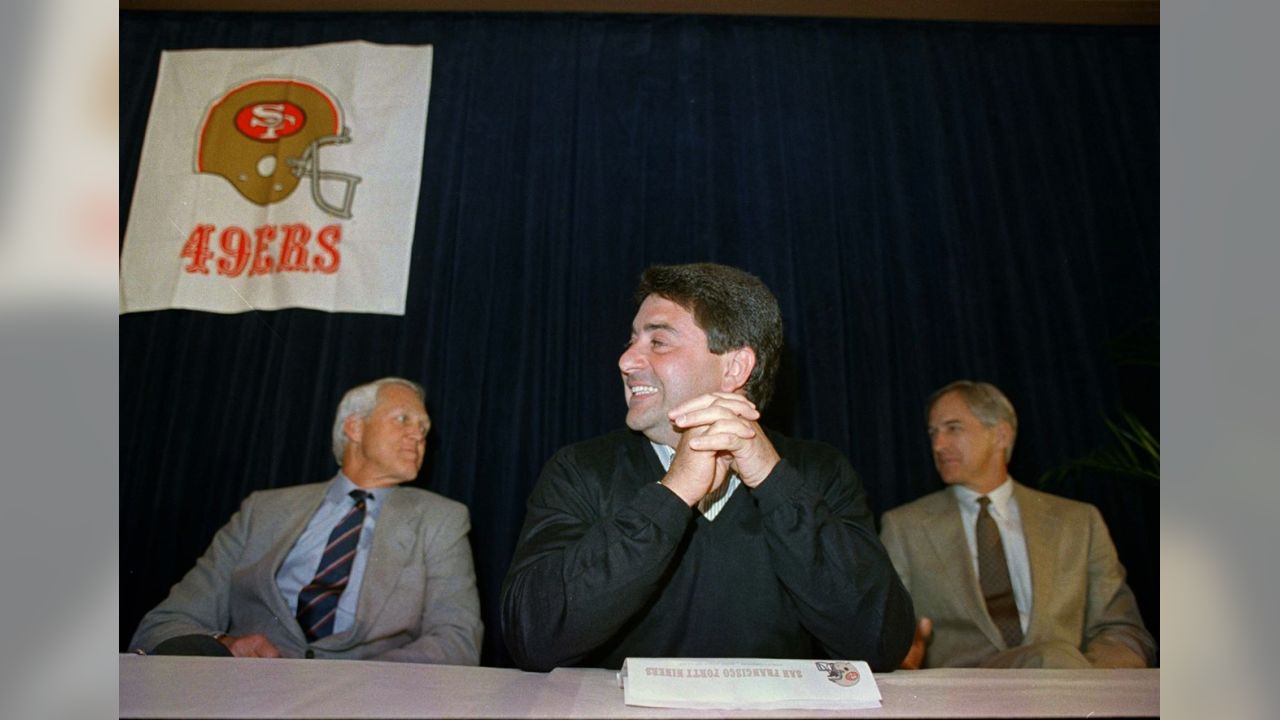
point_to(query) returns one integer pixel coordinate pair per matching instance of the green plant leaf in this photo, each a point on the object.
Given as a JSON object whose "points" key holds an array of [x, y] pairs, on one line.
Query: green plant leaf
{"points": [[1133, 452]]}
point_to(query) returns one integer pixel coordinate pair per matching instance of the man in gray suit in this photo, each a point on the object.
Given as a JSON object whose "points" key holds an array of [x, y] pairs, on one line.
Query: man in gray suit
{"points": [[1003, 575], [396, 560]]}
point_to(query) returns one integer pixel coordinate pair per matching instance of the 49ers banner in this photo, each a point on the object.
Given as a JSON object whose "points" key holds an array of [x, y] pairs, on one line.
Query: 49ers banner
{"points": [[279, 178]]}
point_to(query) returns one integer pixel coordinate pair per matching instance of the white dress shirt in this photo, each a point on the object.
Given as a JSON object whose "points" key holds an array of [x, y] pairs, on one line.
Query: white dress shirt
{"points": [[711, 505]]}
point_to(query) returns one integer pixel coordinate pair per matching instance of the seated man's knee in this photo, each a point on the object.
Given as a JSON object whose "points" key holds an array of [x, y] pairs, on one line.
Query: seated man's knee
{"points": [[1051, 655]]}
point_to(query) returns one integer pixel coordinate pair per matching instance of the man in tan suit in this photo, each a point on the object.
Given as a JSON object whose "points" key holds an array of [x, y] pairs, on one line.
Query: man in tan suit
{"points": [[1002, 575]]}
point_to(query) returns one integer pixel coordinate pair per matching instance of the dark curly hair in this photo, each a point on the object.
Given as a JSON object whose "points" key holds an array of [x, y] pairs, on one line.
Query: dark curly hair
{"points": [[733, 307]]}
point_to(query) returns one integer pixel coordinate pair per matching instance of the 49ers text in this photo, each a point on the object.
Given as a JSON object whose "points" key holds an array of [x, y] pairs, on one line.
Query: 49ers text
{"points": [[269, 249]]}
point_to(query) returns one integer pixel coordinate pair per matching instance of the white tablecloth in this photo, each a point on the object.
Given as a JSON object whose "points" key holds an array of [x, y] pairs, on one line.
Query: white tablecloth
{"points": [[193, 687]]}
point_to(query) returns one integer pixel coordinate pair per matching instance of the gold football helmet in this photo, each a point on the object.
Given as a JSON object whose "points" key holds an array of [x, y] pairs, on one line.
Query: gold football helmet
{"points": [[264, 136]]}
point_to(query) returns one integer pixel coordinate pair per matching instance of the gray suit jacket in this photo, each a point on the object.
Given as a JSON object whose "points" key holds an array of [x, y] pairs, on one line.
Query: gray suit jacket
{"points": [[418, 600], [1079, 595]]}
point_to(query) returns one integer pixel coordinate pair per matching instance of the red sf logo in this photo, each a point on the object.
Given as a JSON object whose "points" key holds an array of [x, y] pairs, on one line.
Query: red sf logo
{"points": [[270, 121]]}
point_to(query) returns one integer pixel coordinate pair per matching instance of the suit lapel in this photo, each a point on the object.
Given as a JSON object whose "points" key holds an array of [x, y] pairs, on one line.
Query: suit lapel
{"points": [[946, 533], [310, 499], [1038, 530], [393, 540]]}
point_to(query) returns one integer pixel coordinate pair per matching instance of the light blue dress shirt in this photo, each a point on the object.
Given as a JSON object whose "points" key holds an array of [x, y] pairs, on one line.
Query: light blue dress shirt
{"points": [[303, 560]]}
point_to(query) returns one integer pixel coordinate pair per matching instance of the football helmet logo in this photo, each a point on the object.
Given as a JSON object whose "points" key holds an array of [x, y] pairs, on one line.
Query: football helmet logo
{"points": [[265, 136], [841, 673]]}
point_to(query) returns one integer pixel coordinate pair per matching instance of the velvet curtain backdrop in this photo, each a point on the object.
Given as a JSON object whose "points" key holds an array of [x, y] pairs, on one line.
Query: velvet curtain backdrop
{"points": [[928, 201]]}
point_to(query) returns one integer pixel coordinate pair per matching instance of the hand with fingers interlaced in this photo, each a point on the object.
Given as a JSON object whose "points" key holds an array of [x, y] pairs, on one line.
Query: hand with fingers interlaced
{"points": [[726, 424]]}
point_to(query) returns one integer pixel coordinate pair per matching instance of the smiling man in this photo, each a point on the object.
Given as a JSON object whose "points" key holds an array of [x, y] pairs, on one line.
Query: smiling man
{"points": [[355, 568], [694, 532], [1003, 575]]}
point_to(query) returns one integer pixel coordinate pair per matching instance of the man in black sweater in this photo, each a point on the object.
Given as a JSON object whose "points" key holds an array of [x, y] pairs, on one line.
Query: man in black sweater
{"points": [[695, 532]]}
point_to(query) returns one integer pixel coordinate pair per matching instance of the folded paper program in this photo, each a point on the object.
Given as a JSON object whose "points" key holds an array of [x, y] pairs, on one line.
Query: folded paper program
{"points": [[745, 683]]}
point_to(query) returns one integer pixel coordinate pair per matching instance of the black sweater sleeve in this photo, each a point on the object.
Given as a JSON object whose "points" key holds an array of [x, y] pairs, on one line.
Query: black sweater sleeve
{"points": [[824, 550], [583, 567]]}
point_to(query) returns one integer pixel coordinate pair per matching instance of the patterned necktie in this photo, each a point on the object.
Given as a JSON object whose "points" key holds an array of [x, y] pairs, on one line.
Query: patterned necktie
{"points": [[318, 601], [993, 576]]}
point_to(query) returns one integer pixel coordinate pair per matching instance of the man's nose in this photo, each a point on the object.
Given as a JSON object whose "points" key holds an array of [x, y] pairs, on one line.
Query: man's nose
{"points": [[631, 360]]}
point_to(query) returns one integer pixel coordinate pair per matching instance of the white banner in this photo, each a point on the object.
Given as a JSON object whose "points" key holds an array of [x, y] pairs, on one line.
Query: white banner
{"points": [[279, 178]]}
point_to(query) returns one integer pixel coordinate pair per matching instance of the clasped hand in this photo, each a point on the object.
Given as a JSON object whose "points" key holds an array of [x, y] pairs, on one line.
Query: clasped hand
{"points": [[255, 645], [718, 432]]}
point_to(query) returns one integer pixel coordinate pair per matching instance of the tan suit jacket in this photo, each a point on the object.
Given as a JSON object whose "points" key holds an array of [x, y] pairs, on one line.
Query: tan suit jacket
{"points": [[418, 600], [1079, 595]]}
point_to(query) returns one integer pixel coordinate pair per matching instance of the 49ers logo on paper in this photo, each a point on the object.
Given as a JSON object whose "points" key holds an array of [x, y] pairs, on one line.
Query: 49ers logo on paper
{"points": [[843, 674], [264, 137]]}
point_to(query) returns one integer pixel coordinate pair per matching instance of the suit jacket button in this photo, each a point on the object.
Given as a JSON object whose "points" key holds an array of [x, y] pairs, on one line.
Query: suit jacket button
{"points": [[310, 653]]}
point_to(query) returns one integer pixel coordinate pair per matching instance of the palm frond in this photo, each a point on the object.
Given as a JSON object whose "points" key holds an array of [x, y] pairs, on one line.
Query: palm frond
{"points": [[1134, 452]]}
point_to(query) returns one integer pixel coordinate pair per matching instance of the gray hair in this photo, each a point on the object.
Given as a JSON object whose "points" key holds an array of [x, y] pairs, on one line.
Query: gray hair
{"points": [[985, 401], [360, 401]]}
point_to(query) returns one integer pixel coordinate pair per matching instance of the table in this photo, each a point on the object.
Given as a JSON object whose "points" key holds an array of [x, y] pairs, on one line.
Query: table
{"points": [[200, 687]]}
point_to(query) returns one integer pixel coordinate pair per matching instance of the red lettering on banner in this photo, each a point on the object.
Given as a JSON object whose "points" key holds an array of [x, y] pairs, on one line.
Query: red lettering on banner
{"points": [[197, 248], [293, 251], [262, 261], [236, 250], [328, 240], [235, 247]]}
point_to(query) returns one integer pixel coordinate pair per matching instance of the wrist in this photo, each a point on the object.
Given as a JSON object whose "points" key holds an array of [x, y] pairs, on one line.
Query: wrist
{"points": [[758, 472], [686, 496]]}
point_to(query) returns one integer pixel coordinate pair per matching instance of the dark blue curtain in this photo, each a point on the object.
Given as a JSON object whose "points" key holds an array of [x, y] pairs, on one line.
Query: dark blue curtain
{"points": [[929, 201]]}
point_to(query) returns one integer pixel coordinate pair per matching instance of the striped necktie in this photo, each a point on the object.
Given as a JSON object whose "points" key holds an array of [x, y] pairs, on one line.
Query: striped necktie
{"points": [[993, 576], [318, 601]]}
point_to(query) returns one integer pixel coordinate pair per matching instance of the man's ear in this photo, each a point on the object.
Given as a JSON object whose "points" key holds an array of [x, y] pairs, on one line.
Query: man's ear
{"points": [[1004, 435], [353, 427], [737, 366]]}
